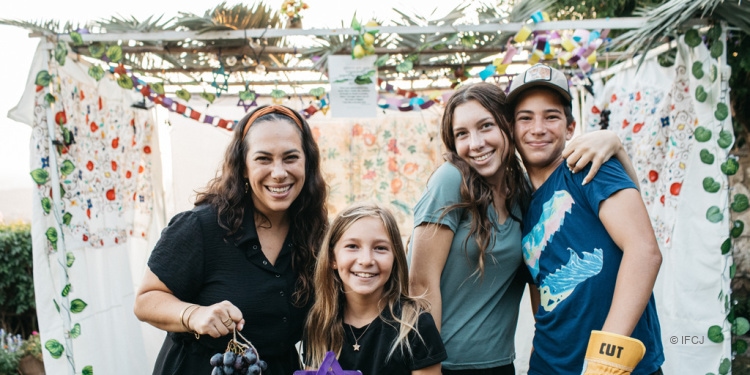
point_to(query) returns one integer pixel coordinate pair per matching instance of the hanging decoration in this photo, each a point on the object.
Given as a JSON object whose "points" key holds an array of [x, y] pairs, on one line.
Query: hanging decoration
{"points": [[292, 9], [222, 85], [364, 43], [245, 96]]}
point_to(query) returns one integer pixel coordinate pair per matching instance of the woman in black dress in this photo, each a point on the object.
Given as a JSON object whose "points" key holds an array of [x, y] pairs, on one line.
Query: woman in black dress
{"points": [[243, 257]]}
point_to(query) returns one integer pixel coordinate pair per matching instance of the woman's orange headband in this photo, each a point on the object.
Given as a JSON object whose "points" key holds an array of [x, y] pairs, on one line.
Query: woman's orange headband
{"points": [[270, 109]]}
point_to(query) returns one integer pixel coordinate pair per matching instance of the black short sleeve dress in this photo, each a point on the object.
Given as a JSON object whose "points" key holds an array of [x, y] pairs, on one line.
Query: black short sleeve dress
{"points": [[199, 264]]}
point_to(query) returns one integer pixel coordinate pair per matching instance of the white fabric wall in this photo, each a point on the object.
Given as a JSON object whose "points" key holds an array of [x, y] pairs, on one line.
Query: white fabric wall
{"points": [[656, 114], [104, 275]]}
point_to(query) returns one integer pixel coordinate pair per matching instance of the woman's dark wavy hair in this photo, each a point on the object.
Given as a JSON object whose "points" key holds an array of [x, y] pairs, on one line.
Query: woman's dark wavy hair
{"points": [[308, 214], [476, 192]]}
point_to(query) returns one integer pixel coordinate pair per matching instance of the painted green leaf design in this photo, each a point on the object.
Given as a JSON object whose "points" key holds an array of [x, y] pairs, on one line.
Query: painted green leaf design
{"points": [[730, 167], [66, 218], [404, 66], [62, 190], [715, 334], [125, 82], [702, 134], [76, 38], [726, 246], [732, 270], [65, 291], [739, 346], [382, 59], [185, 94], [740, 203], [96, 72], [710, 185], [208, 96], [725, 366], [318, 92], [46, 205], [700, 94], [54, 348], [714, 32], [67, 167], [725, 139], [706, 156], [96, 50], [88, 370], [67, 136], [114, 53], [716, 50], [51, 235], [61, 52], [738, 226], [713, 73], [69, 259], [75, 331], [43, 78], [157, 87], [39, 176], [721, 112], [692, 38], [698, 70], [713, 214], [77, 305], [57, 307], [49, 99], [278, 94]]}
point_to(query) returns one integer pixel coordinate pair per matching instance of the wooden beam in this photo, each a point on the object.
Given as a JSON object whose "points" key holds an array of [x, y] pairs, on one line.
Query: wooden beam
{"points": [[593, 24]]}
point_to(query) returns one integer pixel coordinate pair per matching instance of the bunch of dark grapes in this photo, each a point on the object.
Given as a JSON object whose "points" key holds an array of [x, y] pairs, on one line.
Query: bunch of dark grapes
{"points": [[239, 359], [604, 119]]}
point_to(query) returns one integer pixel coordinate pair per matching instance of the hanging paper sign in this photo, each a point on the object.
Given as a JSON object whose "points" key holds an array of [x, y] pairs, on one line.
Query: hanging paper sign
{"points": [[349, 98]]}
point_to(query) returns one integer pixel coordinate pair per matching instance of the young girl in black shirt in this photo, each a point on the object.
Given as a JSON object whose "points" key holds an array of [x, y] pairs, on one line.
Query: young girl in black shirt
{"points": [[362, 309]]}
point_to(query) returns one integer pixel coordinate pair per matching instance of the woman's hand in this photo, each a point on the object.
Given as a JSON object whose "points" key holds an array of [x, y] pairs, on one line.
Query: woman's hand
{"points": [[596, 148], [216, 320]]}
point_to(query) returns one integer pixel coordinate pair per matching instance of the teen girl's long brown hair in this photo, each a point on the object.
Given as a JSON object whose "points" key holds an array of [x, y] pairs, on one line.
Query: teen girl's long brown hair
{"points": [[308, 214], [476, 191], [324, 330]]}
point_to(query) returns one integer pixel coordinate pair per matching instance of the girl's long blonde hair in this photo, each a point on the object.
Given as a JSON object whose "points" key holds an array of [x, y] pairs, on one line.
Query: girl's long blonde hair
{"points": [[324, 330]]}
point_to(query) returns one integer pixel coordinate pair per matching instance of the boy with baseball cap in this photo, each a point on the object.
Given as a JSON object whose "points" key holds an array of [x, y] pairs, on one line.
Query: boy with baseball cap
{"points": [[590, 247]]}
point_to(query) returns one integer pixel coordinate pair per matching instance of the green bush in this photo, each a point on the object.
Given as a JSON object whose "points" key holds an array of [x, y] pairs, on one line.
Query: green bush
{"points": [[17, 307]]}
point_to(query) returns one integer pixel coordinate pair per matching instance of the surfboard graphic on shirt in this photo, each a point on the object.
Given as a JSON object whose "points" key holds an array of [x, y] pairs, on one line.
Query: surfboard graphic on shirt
{"points": [[557, 286], [550, 222]]}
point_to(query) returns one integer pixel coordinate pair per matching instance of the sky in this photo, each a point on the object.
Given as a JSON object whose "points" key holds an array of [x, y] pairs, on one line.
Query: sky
{"points": [[19, 48]]}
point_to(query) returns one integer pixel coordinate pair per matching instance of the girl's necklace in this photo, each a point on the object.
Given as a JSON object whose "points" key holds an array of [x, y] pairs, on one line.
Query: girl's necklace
{"points": [[356, 339]]}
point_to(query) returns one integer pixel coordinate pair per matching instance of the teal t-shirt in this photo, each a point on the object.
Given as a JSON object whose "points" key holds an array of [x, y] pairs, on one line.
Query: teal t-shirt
{"points": [[479, 313]]}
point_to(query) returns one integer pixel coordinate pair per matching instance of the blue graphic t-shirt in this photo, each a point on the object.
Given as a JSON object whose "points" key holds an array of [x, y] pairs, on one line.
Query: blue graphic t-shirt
{"points": [[574, 263]]}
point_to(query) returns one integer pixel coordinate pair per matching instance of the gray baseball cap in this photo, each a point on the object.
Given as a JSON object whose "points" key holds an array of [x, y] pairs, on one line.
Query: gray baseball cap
{"points": [[539, 75]]}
